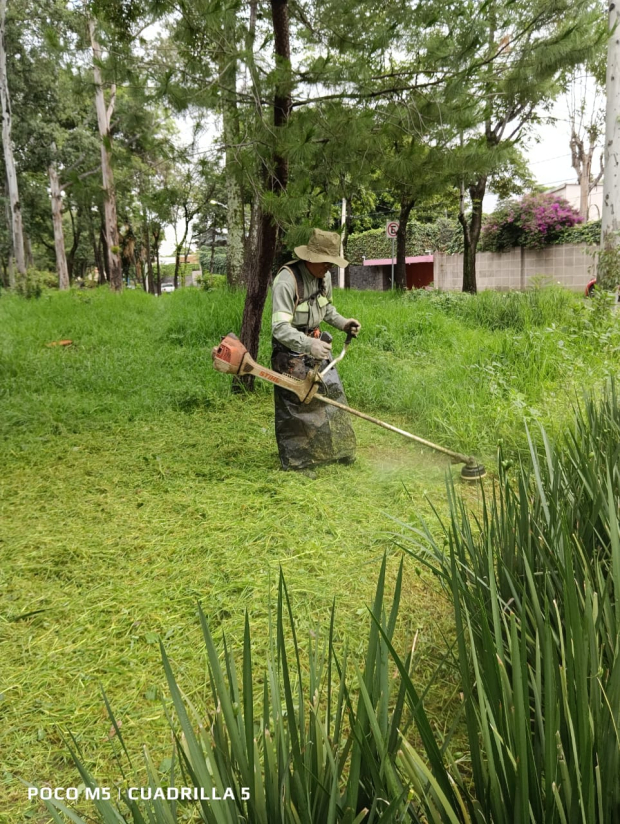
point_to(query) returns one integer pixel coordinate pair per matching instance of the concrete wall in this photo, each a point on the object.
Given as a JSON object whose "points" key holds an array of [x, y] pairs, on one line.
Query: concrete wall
{"points": [[568, 265]]}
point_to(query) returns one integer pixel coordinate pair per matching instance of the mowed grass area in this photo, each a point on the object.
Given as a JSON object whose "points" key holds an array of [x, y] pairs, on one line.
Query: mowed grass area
{"points": [[134, 485]]}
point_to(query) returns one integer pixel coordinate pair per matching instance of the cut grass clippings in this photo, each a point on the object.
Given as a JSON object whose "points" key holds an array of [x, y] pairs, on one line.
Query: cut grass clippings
{"points": [[109, 542], [135, 486]]}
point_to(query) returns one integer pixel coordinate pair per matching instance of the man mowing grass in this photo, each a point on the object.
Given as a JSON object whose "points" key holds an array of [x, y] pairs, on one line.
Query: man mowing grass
{"points": [[312, 434]]}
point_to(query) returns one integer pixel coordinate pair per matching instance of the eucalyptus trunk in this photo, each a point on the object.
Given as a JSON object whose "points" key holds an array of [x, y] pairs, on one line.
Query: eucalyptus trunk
{"points": [[105, 272], [59, 237], [104, 116], [76, 232], [16, 224], [608, 272], [157, 242], [581, 161]]}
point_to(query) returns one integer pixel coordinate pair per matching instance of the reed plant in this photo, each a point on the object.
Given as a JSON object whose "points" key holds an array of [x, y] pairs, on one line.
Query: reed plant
{"points": [[535, 582]]}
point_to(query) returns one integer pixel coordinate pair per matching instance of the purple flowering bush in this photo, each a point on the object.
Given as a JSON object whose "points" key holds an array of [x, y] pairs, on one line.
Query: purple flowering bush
{"points": [[534, 221]]}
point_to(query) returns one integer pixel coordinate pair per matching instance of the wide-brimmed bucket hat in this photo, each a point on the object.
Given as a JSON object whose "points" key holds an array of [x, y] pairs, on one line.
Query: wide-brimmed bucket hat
{"points": [[323, 247]]}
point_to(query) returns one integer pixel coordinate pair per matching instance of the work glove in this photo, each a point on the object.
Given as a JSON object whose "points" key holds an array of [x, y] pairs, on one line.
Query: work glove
{"points": [[352, 327], [320, 349]]}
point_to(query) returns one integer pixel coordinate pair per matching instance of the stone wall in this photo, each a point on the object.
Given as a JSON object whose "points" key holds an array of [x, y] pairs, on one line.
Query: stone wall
{"points": [[569, 265], [368, 277]]}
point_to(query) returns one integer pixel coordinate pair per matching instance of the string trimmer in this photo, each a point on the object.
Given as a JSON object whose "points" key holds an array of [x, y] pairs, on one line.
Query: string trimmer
{"points": [[232, 358]]}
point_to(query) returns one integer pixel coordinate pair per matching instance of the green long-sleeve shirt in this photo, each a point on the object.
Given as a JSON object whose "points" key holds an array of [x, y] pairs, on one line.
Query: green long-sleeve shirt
{"points": [[288, 323]]}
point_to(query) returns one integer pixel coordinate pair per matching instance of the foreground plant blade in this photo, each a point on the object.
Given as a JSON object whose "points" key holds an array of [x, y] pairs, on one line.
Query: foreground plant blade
{"points": [[535, 587]]}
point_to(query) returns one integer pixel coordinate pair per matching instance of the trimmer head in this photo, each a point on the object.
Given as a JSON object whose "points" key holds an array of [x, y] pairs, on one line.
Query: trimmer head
{"points": [[473, 471]]}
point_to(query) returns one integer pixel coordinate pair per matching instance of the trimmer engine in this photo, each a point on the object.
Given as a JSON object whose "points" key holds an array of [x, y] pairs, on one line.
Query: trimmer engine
{"points": [[228, 357], [232, 358]]}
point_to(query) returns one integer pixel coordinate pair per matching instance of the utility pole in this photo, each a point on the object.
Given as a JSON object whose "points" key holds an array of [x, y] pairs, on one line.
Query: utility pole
{"points": [[610, 223], [343, 220]]}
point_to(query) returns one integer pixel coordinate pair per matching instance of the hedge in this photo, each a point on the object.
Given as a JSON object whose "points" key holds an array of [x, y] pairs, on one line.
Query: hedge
{"points": [[446, 236], [583, 233], [422, 239], [167, 269]]}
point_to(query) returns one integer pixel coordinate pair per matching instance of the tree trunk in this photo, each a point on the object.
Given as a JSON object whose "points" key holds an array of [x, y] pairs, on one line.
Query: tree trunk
{"points": [[471, 233], [156, 239], [28, 252], [96, 248], [343, 229], [212, 250], [177, 253], [347, 271], [276, 182], [59, 237], [177, 264], [149, 261], [234, 198], [258, 285], [400, 270], [9, 161], [610, 225], [105, 274], [608, 264], [76, 232], [585, 177], [104, 115], [581, 162], [252, 241]]}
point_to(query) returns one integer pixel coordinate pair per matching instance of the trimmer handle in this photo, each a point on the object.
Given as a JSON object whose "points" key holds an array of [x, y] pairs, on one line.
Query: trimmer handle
{"points": [[333, 363]]}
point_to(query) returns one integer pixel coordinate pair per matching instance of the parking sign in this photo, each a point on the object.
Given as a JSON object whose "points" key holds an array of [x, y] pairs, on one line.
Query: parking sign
{"points": [[391, 228]]}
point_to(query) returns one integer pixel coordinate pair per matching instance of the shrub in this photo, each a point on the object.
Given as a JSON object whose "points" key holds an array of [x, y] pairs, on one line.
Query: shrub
{"points": [[322, 748], [219, 259], [32, 284], [534, 221], [208, 281]]}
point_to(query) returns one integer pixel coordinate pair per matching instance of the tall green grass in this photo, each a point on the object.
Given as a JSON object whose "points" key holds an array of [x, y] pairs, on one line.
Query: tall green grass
{"points": [[461, 369]]}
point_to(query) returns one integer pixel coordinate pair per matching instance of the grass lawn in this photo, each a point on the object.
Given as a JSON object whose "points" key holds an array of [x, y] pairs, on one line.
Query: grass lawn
{"points": [[134, 485]]}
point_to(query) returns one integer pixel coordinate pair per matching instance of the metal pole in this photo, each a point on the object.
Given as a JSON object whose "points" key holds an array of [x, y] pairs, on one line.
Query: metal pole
{"points": [[393, 263], [343, 220], [460, 458]]}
